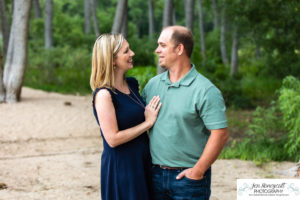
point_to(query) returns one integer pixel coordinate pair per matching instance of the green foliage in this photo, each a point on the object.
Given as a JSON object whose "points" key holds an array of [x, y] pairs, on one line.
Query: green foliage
{"points": [[60, 69], [142, 74], [254, 84], [143, 49], [264, 140], [274, 133], [289, 103], [274, 25], [244, 90]]}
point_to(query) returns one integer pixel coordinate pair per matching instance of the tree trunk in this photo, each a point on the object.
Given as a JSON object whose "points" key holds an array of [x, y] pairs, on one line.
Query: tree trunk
{"points": [[2, 91], [216, 14], [95, 19], [15, 64], [189, 14], [234, 53], [257, 51], [201, 28], [168, 12], [87, 17], [222, 36], [48, 24], [37, 9], [125, 23], [151, 19], [12, 5], [173, 16], [118, 20], [168, 19], [4, 26], [257, 47]]}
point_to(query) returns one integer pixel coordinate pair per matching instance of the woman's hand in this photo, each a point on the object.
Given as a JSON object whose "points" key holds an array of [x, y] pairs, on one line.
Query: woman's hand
{"points": [[151, 110]]}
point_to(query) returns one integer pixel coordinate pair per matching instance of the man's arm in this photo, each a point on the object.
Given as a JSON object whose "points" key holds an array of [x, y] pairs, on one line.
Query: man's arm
{"points": [[213, 148]]}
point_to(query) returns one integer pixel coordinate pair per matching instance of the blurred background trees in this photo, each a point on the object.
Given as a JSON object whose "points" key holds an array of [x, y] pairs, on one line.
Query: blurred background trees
{"points": [[245, 47], [236, 42]]}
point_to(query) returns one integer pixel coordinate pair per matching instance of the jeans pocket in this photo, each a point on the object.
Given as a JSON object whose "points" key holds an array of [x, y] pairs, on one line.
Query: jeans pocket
{"points": [[194, 182]]}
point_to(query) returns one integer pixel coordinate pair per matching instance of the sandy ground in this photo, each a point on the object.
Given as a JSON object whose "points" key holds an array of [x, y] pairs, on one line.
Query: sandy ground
{"points": [[50, 149]]}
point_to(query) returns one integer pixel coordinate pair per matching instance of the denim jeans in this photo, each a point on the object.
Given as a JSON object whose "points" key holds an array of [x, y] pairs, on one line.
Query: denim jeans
{"points": [[167, 187]]}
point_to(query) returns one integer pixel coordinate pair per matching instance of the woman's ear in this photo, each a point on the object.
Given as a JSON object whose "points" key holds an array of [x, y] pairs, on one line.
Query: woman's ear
{"points": [[114, 61]]}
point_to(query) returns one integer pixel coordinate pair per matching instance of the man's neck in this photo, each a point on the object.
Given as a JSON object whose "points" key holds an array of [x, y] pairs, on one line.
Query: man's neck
{"points": [[178, 71]]}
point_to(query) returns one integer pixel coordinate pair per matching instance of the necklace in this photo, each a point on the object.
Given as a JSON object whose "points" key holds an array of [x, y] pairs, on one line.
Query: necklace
{"points": [[136, 99]]}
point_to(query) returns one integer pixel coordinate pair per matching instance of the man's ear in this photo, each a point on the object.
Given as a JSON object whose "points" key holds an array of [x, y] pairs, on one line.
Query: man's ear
{"points": [[180, 49]]}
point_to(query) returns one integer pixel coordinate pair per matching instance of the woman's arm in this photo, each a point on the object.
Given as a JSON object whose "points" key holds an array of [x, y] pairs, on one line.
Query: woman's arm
{"points": [[107, 117]]}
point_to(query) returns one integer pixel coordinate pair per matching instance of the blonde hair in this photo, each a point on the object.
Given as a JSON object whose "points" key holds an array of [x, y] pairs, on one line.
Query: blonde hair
{"points": [[105, 50]]}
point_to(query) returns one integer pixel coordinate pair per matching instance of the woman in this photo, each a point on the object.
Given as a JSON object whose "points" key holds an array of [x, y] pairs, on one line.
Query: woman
{"points": [[123, 119]]}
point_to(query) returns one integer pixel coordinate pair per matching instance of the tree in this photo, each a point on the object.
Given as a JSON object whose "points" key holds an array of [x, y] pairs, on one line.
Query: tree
{"points": [[168, 12], [48, 24], [234, 52], [189, 14], [167, 21], [2, 91], [223, 34], [151, 18], [275, 26], [95, 19], [4, 26], [201, 28], [37, 9], [119, 16], [125, 23], [216, 13], [16, 58], [87, 17], [173, 16], [137, 16]]}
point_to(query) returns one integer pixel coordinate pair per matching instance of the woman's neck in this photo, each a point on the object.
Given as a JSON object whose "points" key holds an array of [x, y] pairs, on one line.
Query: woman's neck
{"points": [[120, 82]]}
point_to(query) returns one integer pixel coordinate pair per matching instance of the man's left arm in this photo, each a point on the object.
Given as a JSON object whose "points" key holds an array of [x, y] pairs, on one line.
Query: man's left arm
{"points": [[213, 148]]}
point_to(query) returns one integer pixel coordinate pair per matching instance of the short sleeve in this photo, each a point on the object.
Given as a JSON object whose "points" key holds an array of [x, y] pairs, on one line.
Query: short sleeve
{"points": [[212, 109]]}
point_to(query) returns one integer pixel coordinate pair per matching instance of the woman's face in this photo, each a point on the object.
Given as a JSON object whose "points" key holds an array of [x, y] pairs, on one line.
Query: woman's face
{"points": [[124, 57]]}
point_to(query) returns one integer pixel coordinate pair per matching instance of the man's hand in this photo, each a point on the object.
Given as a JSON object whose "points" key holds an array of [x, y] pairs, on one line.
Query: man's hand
{"points": [[190, 174]]}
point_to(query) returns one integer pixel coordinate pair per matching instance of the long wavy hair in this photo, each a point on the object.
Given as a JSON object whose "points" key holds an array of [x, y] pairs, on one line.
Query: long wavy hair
{"points": [[105, 50]]}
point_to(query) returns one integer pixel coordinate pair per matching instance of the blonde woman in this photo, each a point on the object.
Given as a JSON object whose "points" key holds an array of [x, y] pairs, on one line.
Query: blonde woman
{"points": [[124, 119]]}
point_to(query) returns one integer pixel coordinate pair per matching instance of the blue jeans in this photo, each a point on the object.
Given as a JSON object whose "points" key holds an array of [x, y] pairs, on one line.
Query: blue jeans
{"points": [[167, 187]]}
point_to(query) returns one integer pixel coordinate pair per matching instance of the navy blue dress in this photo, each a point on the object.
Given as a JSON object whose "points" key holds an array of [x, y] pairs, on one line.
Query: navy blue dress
{"points": [[126, 169]]}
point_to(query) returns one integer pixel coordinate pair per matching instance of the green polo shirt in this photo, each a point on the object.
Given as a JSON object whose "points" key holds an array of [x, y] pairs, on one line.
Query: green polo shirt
{"points": [[190, 108]]}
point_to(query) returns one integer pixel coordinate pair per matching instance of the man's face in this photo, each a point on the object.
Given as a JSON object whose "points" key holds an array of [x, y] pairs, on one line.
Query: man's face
{"points": [[166, 49]]}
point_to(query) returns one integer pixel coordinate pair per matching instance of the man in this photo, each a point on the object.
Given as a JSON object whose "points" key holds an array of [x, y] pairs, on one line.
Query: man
{"points": [[191, 128]]}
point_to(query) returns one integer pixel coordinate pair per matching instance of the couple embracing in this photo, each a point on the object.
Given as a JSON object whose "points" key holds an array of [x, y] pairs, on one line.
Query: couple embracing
{"points": [[183, 112]]}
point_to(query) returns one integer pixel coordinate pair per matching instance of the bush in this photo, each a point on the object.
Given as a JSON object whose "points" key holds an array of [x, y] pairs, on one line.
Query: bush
{"points": [[274, 133], [289, 103], [60, 69]]}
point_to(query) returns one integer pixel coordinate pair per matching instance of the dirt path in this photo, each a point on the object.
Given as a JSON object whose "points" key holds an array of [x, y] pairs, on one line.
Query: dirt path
{"points": [[50, 150]]}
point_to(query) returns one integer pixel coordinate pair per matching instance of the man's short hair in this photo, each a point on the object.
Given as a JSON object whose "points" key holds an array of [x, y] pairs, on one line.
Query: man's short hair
{"points": [[185, 38]]}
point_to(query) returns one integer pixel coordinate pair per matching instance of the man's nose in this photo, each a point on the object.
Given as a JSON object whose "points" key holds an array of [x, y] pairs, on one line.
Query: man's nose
{"points": [[157, 50]]}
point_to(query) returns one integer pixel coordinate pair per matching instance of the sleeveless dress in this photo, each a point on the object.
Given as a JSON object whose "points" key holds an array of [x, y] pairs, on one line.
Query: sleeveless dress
{"points": [[126, 169]]}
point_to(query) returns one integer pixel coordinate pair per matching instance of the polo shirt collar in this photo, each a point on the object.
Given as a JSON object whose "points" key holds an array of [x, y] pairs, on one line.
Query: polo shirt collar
{"points": [[185, 81]]}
